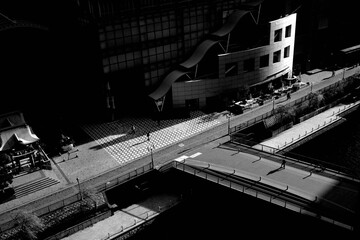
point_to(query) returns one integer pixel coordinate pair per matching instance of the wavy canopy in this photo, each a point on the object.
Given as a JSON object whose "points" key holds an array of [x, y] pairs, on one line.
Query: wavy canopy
{"points": [[230, 24], [166, 84], [198, 54], [201, 50]]}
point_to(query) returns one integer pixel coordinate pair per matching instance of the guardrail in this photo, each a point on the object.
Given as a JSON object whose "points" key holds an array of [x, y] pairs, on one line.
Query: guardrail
{"points": [[295, 103], [278, 155], [72, 197], [274, 195], [144, 219]]}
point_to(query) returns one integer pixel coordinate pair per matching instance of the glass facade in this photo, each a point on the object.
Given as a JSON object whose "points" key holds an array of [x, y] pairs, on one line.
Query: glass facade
{"points": [[150, 37]]}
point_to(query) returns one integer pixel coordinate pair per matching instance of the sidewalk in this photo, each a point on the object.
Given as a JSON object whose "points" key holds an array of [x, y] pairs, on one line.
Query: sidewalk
{"points": [[305, 129], [127, 219]]}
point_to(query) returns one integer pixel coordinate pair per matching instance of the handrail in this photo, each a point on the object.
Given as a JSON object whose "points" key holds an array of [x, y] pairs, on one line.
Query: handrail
{"points": [[302, 204]]}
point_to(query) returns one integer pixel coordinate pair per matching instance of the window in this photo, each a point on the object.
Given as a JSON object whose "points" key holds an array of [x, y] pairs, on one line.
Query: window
{"points": [[249, 64], [277, 35], [231, 69], [288, 31], [264, 61], [276, 56], [287, 52]]}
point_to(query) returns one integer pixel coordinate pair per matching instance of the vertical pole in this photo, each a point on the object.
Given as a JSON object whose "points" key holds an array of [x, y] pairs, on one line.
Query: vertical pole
{"points": [[273, 104], [77, 179], [228, 117], [152, 159], [227, 43]]}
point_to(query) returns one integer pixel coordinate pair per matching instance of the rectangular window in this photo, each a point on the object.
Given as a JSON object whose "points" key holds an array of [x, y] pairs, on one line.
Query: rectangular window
{"points": [[231, 69], [287, 52], [276, 56], [277, 35], [264, 61], [249, 65], [288, 31]]}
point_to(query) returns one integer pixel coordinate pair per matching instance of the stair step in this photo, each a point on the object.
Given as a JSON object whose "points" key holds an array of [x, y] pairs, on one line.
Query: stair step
{"points": [[34, 186]]}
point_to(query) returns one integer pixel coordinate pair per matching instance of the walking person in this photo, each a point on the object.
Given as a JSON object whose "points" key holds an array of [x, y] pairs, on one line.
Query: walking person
{"points": [[288, 95], [132, 129], [148, 136], [283, 164]]}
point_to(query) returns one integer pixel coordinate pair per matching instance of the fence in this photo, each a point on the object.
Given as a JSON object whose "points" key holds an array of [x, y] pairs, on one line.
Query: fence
{"points": [[46, 207], [279, 195], [311, 164], [336, 86]]}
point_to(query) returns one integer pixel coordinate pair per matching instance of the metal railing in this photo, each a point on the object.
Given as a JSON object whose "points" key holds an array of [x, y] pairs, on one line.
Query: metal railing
{"points": [[252, 185]]}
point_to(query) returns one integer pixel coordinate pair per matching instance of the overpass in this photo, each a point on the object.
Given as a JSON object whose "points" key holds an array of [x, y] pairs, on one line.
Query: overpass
{"points": [[329, 195]]}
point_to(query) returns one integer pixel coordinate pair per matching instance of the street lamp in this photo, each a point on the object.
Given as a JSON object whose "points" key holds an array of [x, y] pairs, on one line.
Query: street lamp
{"points": [[77, 179], [228, 117], [273, 100], [150, 148]]}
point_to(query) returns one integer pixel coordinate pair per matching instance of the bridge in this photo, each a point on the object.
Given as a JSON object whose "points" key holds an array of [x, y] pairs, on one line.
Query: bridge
{"points": [[303, 187]]}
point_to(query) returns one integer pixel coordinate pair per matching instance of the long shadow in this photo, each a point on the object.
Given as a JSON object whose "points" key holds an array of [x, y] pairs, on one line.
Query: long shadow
{"points": [[275, 170], [155, 126], [114, 141]]}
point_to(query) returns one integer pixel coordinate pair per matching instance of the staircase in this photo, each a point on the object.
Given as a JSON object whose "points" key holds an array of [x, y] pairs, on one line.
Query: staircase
{"points": [[34, 186]]}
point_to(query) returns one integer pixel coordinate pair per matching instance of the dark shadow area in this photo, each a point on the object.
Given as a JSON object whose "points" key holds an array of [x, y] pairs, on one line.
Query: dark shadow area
{"points": [[210, 211], [275, 170]]}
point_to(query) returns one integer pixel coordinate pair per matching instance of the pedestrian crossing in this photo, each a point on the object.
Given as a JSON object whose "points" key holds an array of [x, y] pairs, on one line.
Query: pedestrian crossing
{"points": [[116, 138]]}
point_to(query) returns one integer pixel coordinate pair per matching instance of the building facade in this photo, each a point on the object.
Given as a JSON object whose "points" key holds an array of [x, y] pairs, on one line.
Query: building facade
{"points": [[141, 42], [246, 68]]}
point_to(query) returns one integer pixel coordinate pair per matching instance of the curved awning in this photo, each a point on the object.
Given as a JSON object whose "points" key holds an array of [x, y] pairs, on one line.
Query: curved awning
{"points": [[166, 84], [199, 53], [272, 76], [230, 24]]}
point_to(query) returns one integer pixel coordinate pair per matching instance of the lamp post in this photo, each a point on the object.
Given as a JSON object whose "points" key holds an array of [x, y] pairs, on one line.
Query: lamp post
{"points": [[150, 148], [273, 100], [228, 117], [77, 179]]}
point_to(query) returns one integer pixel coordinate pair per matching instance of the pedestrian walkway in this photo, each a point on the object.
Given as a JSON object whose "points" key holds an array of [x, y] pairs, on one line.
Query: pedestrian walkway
{"points": [[117, 140], [127, 219], [307, 182], [305, 129]]}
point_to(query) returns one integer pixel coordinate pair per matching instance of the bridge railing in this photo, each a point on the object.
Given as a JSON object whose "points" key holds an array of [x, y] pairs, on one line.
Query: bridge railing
{"points": [[315, 165], [253, 188]]}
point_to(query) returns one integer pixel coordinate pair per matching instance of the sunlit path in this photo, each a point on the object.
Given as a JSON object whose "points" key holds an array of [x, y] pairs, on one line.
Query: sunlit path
{"points": [[116, 137]]}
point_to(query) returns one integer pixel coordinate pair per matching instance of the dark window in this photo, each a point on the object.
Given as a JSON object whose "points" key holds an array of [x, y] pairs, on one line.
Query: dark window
{"points": [[277, 35], [288, 31], [231, 69], [249, 65], [276, 56], [287, 52], [264, 61]]}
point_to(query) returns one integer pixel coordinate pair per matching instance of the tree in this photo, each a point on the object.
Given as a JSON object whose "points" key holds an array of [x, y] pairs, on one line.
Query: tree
{"points": [[29, 225], [89, 197], [5, 176]]}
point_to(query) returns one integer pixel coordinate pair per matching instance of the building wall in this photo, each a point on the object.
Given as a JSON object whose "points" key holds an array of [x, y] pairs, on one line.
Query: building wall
{"points": [[155, 38], [204, 88]]}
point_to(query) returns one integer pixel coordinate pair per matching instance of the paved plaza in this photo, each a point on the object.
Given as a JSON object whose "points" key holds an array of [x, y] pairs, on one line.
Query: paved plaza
{"points": [[122, 145]]}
